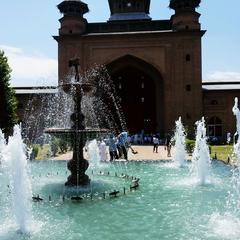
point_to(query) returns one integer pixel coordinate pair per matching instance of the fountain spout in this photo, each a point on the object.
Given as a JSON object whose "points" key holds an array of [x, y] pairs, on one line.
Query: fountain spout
{"points": [[180, 144], [236, 112], [201, 157]]}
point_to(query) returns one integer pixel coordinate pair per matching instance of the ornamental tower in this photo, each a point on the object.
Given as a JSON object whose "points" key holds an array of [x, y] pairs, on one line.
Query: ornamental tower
{"points": [[129, 10], [185, 17], [72, 21]]}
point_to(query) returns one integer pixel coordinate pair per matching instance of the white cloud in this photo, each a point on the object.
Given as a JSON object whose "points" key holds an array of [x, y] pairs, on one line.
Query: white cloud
{"points": [[219, 76], [30, 69]]}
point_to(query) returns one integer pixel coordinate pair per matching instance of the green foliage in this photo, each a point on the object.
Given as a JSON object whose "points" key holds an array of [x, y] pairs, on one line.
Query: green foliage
{"points": [[35, 150], [58, 144], [63, 145], [8, 106], [54, 146], [44, 152], [190, 144]]}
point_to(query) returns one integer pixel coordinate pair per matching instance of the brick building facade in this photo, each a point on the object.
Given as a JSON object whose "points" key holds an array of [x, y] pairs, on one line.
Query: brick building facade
{"points": [[156, 65]]}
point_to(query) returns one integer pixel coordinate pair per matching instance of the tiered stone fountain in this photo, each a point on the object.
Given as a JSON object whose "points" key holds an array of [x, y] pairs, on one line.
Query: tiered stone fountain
{"points": [[78, 133]]}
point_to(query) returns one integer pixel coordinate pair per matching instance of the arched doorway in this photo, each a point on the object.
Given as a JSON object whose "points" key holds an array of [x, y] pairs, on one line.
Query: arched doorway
{"points": [[138, 85]]}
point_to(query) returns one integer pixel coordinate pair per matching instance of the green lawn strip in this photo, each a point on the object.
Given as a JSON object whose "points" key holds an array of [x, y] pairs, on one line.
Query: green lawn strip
{"points": [[222, 152]]}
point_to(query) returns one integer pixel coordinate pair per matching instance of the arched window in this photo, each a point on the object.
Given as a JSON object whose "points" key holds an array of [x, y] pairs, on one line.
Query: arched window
{"points": [[214, 102], [214, 127]]}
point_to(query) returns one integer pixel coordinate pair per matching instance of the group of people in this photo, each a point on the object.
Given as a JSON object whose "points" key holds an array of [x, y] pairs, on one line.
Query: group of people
{"points": [[117, 146]]}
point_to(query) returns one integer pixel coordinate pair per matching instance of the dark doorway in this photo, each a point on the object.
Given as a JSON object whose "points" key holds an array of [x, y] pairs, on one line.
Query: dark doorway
{"points": [[137, 92]]}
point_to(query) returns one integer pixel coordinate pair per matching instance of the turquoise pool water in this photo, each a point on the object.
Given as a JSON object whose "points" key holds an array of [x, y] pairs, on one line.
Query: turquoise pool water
{"points": [[168, 205]]}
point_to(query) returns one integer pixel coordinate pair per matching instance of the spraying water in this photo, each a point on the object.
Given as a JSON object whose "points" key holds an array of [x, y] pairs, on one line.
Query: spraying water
{"points": [[16, 165], [180, 145], [201, 157], [2, 145], [233, 201], [236, 112], [94, 155], [227, 225]]}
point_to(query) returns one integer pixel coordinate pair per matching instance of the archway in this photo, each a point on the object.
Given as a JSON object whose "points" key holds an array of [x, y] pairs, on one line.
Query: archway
{"points": [[139, 87]]}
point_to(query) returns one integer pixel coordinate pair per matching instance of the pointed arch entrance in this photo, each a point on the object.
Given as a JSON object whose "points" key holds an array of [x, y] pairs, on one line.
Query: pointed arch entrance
{"points": [[139, 87]]}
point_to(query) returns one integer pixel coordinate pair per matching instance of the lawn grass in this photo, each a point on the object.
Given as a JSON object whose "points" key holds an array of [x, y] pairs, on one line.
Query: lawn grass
{"points": [[222, 152]]}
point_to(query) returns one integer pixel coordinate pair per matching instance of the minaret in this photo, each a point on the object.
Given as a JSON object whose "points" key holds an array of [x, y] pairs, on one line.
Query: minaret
{"points": [[129, 10], [73, 21], [185, 17]]}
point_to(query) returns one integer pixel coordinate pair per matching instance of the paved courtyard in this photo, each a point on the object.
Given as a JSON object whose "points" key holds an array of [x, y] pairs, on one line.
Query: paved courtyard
{"points": [[143, 153]]}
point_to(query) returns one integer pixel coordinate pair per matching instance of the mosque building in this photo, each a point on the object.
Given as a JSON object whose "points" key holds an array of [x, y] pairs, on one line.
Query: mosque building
{"points": [[156, 65]]}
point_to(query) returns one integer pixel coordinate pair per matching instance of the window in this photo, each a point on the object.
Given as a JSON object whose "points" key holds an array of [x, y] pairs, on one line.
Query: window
{"points": [[188, 58], [214, 102], [188, 87], [214, 127], [120, 85]]}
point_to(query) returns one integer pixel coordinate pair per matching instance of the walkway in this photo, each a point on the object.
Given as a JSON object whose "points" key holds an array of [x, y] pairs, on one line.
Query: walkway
{"points": [[144, 153]]}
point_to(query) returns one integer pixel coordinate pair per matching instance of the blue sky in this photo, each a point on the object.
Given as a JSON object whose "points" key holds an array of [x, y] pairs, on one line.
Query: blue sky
{"points": [[27, 26]]}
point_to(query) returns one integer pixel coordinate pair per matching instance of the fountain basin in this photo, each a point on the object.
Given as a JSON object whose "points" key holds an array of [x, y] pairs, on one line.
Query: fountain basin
{"points": [[168, 205]]}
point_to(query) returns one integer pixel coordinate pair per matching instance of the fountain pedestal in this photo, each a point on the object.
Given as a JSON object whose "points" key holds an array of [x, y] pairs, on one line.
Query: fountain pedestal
{"points": [[78, 178], [78, 133]]}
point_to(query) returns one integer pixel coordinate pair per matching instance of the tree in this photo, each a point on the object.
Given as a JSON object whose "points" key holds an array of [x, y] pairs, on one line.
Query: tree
{"points": [[8, 102]]}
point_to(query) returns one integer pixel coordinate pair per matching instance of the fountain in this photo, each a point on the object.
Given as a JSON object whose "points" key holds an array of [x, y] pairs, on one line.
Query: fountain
{"points": [[236, 112], [2, 144], [179, 156], [78, 133], [227, 223], [164, 204], [235, 194], [15, 162], [201, 158]]}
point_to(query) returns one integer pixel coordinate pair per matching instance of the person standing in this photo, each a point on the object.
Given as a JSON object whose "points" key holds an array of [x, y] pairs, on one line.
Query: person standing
{"points": [[112, 147], [168, 145], [228, 138], [123, 143], [155, 144]]}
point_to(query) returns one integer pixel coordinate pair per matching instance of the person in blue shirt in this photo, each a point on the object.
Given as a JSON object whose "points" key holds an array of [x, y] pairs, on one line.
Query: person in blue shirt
{"points": [[123, 143]]}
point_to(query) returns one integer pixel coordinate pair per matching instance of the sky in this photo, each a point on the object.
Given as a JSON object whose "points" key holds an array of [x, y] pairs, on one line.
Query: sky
{"points": [[27, 27]]}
